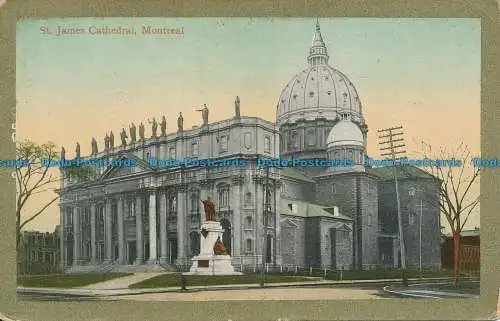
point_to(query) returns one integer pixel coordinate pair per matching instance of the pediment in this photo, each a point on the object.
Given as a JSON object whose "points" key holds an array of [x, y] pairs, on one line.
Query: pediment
{"points": [[125, 165]]}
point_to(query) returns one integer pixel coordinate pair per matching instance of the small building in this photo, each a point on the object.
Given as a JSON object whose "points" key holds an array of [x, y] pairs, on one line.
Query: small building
{"points": [[470, 247], [40, 252]]}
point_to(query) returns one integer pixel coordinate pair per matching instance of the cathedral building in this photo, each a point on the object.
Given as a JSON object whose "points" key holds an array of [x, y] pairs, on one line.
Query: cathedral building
{"points": [[147, 216]]}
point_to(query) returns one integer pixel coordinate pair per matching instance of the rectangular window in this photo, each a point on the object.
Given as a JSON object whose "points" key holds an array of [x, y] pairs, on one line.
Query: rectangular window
{"points": [[194, 149], [412, 217], [171, 153], [223, 144], [224, 197], [267, 144]]}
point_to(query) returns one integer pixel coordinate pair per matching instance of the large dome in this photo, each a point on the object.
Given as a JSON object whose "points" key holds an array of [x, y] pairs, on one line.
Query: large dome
{"points": [[318, 91]]}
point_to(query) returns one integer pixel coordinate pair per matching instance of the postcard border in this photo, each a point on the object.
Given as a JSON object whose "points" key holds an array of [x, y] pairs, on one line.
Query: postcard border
{"points": [[484, 308]]}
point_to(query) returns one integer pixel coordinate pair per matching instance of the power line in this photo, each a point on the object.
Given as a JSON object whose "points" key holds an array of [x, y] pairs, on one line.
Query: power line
{"points": [[389, 143]]}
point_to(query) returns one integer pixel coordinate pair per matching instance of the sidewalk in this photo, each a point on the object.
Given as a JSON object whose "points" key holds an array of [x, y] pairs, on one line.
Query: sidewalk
{"points": [[123, 282], [99, 291]]}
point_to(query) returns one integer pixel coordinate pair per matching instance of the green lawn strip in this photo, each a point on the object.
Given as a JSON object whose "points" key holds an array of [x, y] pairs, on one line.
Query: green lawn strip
{"points": [[377, 274], [66, 280], [174, 280]]}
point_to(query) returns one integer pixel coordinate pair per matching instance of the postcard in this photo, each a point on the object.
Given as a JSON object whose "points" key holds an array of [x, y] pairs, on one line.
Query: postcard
{"points": [[222, 159]]}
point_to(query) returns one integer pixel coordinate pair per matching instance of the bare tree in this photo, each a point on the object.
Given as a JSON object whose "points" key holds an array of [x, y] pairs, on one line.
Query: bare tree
{"points": [[457, 196], [35, 177]]}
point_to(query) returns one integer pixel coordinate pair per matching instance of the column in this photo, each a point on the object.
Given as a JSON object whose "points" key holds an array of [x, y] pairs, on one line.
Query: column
{"points": [[139, 227], [181, 225], [152, 228], [93, 227], [108, 231], [62, 235], [163, 227], [121, 231], [235, 199], [77, 236]]}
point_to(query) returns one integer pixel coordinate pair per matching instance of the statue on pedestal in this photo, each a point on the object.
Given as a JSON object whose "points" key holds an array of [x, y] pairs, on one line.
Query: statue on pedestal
{"points": [[204, 114], [163, 126], [237, 107], [219, 248], [209, 209], [63, 153], [106, 141], [154, 126], [141, 131], [94, 146], [123, 136], [132, 133], [111, 140], [180, 123], [77, 150]]}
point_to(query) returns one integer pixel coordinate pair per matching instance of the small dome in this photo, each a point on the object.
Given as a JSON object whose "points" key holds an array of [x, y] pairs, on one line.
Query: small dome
{"points": [[345, 133]]}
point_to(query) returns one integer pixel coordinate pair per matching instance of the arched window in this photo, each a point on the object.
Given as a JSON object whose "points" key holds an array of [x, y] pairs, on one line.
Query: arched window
{"points": [[411, 192], [336, 156], [350, 156], [223, 197]]}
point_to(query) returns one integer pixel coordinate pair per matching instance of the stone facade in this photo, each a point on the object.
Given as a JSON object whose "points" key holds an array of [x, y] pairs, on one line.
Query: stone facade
{"points": [[337, 217]]}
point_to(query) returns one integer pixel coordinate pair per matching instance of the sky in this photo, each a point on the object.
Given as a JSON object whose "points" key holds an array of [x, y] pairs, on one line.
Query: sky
{"points": [[423, 74]]}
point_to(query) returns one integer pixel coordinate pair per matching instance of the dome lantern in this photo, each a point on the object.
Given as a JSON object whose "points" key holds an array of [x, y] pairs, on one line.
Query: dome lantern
{"points": [[318, 54]]}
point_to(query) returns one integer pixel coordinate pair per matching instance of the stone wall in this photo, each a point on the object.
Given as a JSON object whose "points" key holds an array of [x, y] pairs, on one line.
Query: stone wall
{"points": [[412, 191]]}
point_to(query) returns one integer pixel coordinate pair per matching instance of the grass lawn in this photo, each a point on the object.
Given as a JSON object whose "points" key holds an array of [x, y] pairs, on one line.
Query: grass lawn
{"points": [[174, 280], [386, 274], [66, 280]]}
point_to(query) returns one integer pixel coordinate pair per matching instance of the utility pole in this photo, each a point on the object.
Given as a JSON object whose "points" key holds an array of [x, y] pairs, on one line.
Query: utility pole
{"points": [[265, 213], [420, 239], [392, 146]]}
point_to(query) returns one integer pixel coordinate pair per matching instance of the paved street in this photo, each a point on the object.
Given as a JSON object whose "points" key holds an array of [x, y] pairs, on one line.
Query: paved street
{"points": [[435, 291], [329, 292]]}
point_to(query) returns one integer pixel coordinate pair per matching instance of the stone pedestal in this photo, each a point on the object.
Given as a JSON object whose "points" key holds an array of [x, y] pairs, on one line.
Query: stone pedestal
{"points": [[207, 262]]}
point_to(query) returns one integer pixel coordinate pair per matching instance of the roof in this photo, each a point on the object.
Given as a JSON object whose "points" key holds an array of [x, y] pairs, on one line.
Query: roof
{"points": [[466, 233], [305, 209], [296, 173], [403, 172]]}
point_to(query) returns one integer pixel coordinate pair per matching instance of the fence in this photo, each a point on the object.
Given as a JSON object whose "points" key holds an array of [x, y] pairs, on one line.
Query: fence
{"points": [[330, 274], [470, 260]]}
